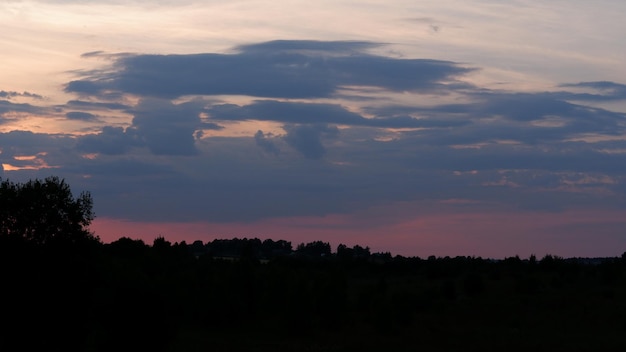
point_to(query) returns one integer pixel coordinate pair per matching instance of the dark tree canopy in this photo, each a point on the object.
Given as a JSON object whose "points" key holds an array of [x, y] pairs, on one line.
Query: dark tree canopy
{"points": [[315, 249], [44, 211]]}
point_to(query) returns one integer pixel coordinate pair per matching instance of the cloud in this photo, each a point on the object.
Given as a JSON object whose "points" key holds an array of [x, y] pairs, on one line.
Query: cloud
{"points": [[81, 104], [604, 91], [270, 110], [323, 48], [359, 131], [315, 113], [166, 128], [7, 106], [433, 25], [307, 139], [265, 143], [528, 118], [83, 87], [29, 143], [281, 69], [163, 127], [79, 115], [111, 141], [35, 151], [11, 94], [538, 106]]}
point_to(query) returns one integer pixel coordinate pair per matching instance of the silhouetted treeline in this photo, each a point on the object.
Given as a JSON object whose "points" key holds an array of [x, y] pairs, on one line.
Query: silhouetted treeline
{"points": [[62, 289], [248, 294]]}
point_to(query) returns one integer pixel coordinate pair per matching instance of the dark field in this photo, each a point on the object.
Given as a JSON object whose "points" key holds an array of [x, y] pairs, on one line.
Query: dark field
{"points": [[238, 295]]}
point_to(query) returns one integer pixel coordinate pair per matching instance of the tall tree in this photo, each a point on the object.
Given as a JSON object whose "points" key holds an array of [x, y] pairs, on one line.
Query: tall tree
{"points": [[44, 211]]}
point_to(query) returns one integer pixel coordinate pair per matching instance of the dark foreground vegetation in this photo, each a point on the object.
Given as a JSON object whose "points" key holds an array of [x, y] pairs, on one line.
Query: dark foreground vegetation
{"points": [[62, 289]]}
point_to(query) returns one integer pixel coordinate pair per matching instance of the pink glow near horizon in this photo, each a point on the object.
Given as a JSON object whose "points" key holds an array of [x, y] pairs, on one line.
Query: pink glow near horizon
{"points": [[486, 234]]}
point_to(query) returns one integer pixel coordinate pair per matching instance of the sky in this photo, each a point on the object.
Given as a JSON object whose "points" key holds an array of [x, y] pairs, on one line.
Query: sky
{"points": [[476, 128]]}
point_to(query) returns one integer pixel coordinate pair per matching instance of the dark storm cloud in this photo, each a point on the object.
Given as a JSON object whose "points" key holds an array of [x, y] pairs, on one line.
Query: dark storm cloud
{"points": [[287, 69], [79, 115], [303, 113]]}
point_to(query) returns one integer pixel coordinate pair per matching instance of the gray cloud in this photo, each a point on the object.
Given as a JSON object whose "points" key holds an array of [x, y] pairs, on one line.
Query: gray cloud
{"points": [[511, 149], [11, 94], [26, 149], [307, 139], [605, 91], [79, 115], [314, 113], [528, 118], [166, 128], [265, 143], [323, 48], [7, 106], [111, 141], [30, 143], [161, 126], [287, 69], [269, 110], [227, 181], [84, 87], [81, 104]]}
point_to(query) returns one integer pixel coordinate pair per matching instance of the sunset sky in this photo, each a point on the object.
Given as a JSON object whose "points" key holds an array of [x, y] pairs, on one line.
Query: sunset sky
{"points": [[480, 127]]}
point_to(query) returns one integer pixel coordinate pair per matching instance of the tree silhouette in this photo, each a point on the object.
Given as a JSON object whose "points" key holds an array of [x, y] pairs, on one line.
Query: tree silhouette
{"points": [[44, 211], [314, 249], [48, 264]]}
